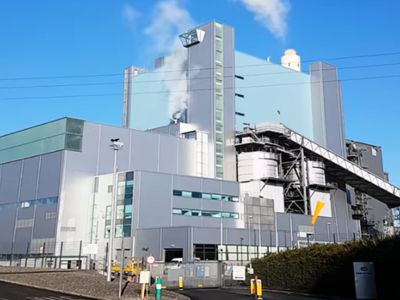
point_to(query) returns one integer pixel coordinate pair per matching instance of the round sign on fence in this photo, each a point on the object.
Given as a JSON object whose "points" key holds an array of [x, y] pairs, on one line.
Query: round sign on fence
{"points": [[150, 260]]}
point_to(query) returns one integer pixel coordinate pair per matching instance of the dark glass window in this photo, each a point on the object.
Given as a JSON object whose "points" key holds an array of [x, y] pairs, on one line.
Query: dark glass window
{"points": [[177, 193]]}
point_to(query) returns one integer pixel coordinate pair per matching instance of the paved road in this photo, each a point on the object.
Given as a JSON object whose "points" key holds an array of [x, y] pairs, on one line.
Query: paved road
{"points": [[219, 294], [18, 292]]}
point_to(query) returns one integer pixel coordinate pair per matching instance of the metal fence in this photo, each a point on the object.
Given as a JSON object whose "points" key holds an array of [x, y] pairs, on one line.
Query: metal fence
{"points": [[49, 254], [193, 274]]}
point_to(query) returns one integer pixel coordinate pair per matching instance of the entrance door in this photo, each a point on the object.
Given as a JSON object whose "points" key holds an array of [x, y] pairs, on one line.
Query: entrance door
{"points": [[171, 253]]}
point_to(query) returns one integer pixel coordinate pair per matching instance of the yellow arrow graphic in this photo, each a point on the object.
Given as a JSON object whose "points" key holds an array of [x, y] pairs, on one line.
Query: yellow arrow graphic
{"points": [[318, 208]]}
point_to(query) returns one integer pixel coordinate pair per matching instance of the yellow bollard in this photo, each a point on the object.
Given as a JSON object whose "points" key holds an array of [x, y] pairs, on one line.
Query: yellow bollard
{"points": [[180, 282], [252, 289], [259, 289]]}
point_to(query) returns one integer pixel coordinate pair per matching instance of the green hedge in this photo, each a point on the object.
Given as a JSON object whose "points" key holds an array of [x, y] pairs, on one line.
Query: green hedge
{"points": [[328, 269]]}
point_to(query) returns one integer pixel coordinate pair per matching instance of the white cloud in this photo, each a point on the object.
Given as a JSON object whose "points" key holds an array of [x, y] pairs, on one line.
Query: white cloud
{"points": [[169, 20], [270, 13], [129, 13]]}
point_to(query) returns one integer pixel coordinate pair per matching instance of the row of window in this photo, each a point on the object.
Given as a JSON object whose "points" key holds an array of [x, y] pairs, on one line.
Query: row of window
{"points": [[207, 196], [120, 230], [122, 212], [26, 204], [219, 101], [205, 213]]}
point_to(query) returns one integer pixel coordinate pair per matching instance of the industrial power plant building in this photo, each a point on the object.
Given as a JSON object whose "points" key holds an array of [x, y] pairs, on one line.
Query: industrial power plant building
{"points": [[221, 155]]}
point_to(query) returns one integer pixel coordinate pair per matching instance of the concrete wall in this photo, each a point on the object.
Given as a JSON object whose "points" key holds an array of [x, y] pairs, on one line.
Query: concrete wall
{"points": [[328, 124]]}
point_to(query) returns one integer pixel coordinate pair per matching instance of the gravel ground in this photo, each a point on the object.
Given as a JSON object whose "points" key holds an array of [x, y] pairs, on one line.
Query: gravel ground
{"points": [[85, 283]]}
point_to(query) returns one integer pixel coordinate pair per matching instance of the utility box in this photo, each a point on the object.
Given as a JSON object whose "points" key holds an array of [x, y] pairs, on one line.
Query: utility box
{"points": [[364, 279]]}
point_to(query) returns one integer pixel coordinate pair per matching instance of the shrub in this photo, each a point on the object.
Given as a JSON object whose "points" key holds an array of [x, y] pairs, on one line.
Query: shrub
{"points": [[328, 269]]}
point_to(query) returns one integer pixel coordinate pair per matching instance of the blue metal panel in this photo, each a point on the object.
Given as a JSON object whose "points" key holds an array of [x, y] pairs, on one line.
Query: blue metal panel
{"points": [[279, 95]]}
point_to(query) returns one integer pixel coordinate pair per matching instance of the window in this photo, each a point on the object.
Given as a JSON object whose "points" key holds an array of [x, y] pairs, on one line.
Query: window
{"points": [[206, 196], [216, 197], [108, 213], [127, 230], [196, 213], [107, 230], [196, 195], [128, 211], [192, 135], [177, 193], [50, 215], [118, 230], [110, 189], [218, 56], [219, 30], [373, 152], [120, 212], [213, 214], [187, 194], [186, 212], [177, 211], [218, 43], [199, 213]]}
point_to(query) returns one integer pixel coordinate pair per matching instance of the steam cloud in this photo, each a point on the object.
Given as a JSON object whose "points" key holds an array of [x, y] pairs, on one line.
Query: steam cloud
{"points": [[169, 21], [271, 14]]}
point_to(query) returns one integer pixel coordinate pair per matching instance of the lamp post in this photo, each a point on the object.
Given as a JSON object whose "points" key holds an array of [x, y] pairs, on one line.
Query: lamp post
{"points": [[115, 146], [249, 244]]}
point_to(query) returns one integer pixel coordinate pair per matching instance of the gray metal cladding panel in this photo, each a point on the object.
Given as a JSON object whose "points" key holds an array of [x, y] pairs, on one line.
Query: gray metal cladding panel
{"points": [[175, 237], [44, 228], [230, 206], [7, 222], [186, 157], [148, 238], [211, 205], [10, 176], [184, 183], [22, 238], [25, 213], [144, 151], [49, 175], [211, 186], [29, 178], [168, 154], [200, 108], [182, 202], [186, 220], [230, 188], [155, 200], [206, 235]]}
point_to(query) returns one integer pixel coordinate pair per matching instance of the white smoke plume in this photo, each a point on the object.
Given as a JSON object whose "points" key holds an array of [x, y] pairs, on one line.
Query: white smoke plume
{"points": [[271, 14], [169, 20]]}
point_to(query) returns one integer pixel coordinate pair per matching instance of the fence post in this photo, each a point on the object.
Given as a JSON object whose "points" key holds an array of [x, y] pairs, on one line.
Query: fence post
{"points": [[12, 253], [61, 251], [27, 254], [43, 253], [105, 258], [80, 254], [354, 236], [334, 238]]}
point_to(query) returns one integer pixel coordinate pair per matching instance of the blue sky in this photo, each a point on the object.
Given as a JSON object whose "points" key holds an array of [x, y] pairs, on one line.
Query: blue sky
{"points": [[47, 38]]}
